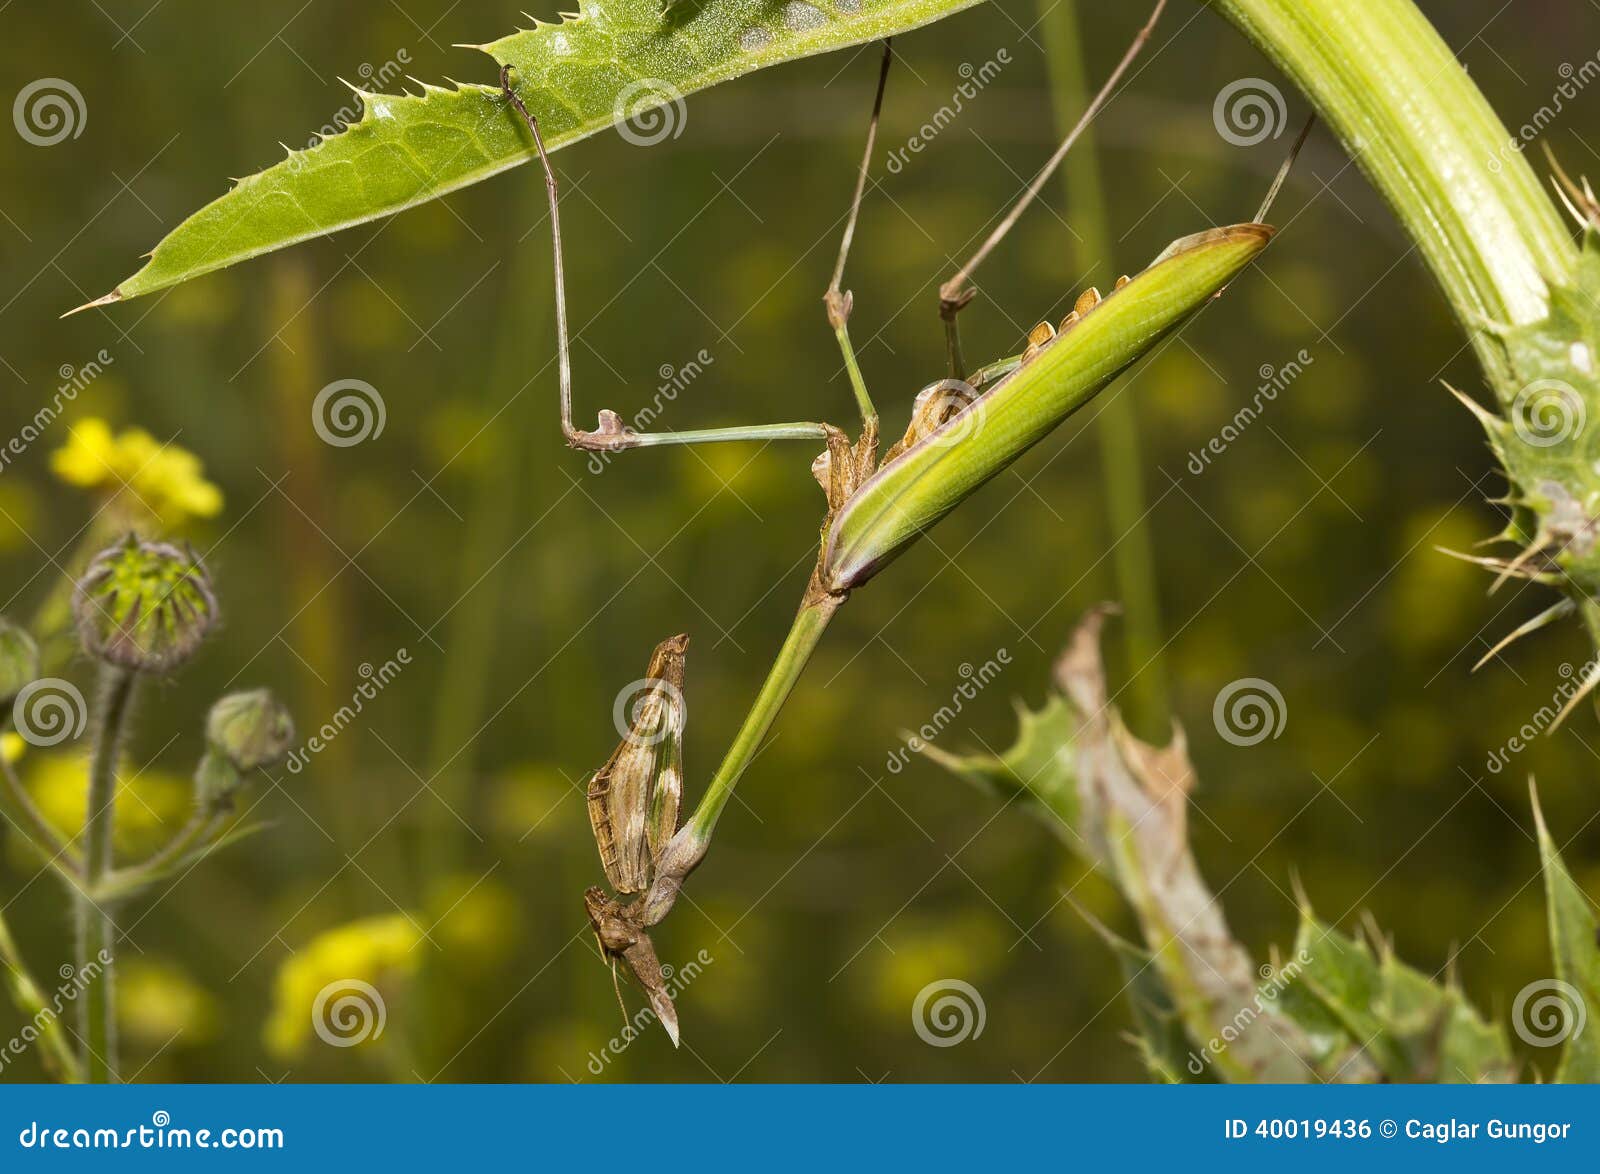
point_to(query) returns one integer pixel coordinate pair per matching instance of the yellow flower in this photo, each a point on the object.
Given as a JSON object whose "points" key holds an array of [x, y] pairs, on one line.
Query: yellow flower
{"points": [[12, 746], [169, 481], [151, 805], [476, 922], [341, 982], [159, 1004]]}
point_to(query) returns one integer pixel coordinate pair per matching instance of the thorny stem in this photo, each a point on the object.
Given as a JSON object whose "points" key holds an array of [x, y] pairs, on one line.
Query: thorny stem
{"points": [[954, 294], [839, 303], [96, 929], [688, 847], [1117, 423], [1408, 113], [30, 1000]]}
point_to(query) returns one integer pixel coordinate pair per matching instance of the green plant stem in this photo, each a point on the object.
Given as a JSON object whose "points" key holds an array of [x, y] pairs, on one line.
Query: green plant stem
{"points": [[30, 1000], [809, 623], [1117, 424], [97, 931], [19, 806], [202, 826], [1408, 113]]}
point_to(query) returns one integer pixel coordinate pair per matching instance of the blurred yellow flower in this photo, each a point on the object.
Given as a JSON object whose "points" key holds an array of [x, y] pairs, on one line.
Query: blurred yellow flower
{"points": [[476, 922], [11, 746], [167, 480], [158, 1004], [345, 978], [151, 805]]}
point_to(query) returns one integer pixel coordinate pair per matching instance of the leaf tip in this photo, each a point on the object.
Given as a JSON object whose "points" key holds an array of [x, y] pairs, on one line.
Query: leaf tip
{"points": [[109, 299]]}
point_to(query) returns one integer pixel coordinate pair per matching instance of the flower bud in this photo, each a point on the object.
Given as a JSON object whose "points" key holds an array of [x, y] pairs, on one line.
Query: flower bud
{"points": [[251, 730], [144, 606], [19, 661]]}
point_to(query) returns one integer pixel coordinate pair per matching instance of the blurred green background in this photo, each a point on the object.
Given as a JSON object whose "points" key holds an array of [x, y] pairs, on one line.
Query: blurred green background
{"points": [[528, 589]]}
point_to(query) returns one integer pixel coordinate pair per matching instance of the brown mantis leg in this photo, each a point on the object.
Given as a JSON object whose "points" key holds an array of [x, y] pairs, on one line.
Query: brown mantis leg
{"points": [[839, 303], [613, 435], [955, 293]]}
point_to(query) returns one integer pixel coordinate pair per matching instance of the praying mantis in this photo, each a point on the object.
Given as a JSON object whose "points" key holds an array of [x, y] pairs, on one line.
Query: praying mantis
{"points": [[964, 429]]}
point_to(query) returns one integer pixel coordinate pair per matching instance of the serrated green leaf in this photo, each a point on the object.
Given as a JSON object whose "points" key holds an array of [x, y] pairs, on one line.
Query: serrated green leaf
{"points": [[1576, 952], [616, 58], [1039, 762], [1162, 1041], [1412, 1027]]}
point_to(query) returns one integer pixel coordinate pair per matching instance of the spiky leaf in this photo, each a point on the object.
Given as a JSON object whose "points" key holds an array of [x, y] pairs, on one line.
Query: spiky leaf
{"points": [[1412, 1027], [1576, 951], [614, 59]]}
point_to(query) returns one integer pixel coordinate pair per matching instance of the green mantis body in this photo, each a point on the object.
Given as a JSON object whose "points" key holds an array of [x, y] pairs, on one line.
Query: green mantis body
{"points": [[919, 486]]}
